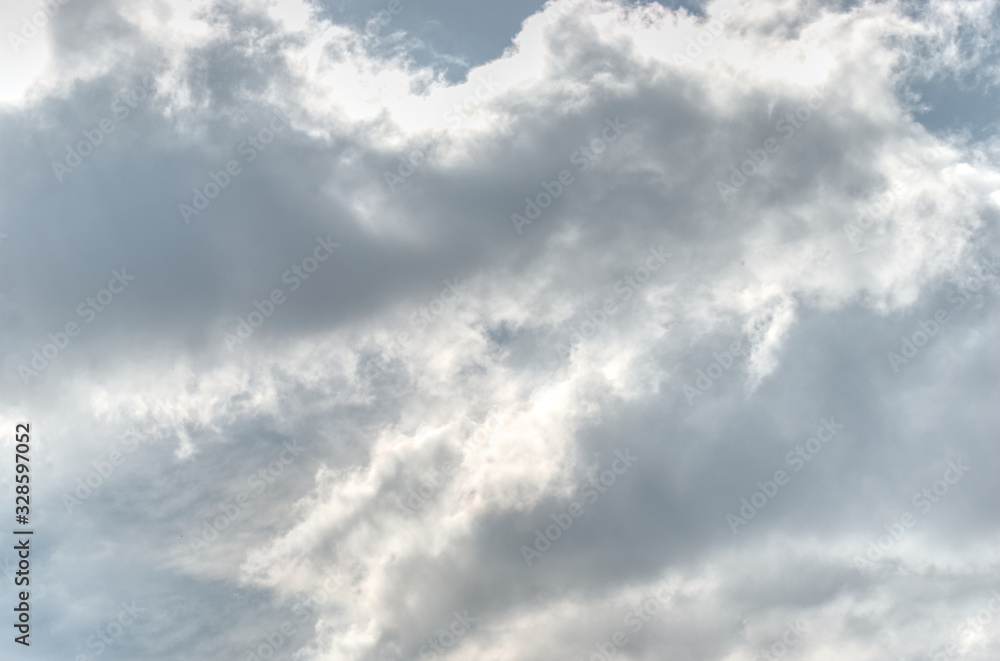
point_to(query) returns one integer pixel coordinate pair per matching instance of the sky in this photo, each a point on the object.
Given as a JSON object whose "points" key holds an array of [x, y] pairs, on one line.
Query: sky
{"points": [[423, 329]]}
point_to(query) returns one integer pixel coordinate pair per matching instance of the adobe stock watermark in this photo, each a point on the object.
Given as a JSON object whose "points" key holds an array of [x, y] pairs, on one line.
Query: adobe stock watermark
{"points": [[412, 158], [487, 432], [218, 181], [273, 641], [104, 468], [626, 288], [561, 9], [121, 106], [442, 640], [432, 479], [88, 310], [231, 510], [382, 18], [321, 596], [648, 608], [409, 161], [924, 500], [109, 633], [30, 29], [787, 126], [636, 620], [704, 39], [592, 492], [875, 215], [584, 157], [911, 345], [970, 628], [706, 378], [421, 319], [294, 277], [796, 460], [790, 638], [464, 109]]}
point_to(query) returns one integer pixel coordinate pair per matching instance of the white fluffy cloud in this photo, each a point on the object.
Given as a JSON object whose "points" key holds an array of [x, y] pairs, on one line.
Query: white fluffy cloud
{"points": [[636, 233]]}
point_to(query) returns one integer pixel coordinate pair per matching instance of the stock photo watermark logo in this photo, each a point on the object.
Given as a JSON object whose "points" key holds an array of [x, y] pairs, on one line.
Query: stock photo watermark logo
{"points": [[93, 137], [796, 460], [294, 277], [704, 39], [464, 109], [382, 18], [88, 309], [104, 468], [218, 181], [30, 29], [411, 160], [627, 287], [780, 648], [787, 126], [322, 596], [561, 9], [231, 510], [442, 640], [636, 620], [706, 377], [489, 429], [584, 157], [592, 492], [106, 635], [926, 329], [273, 642], [432, 479], [876, 214], [924, 500], [421, 319], [970, 628], [408, 164]]}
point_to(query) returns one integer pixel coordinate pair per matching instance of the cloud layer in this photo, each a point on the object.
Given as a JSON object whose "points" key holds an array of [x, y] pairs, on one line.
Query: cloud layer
{"points": [[664, 334]]}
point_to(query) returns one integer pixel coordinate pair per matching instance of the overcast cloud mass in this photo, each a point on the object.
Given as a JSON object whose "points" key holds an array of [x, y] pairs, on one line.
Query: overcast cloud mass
{"points": [[419, 329]]}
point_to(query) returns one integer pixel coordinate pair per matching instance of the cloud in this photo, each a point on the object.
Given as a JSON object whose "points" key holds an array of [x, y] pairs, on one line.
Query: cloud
{"points": [[456, 379]]}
